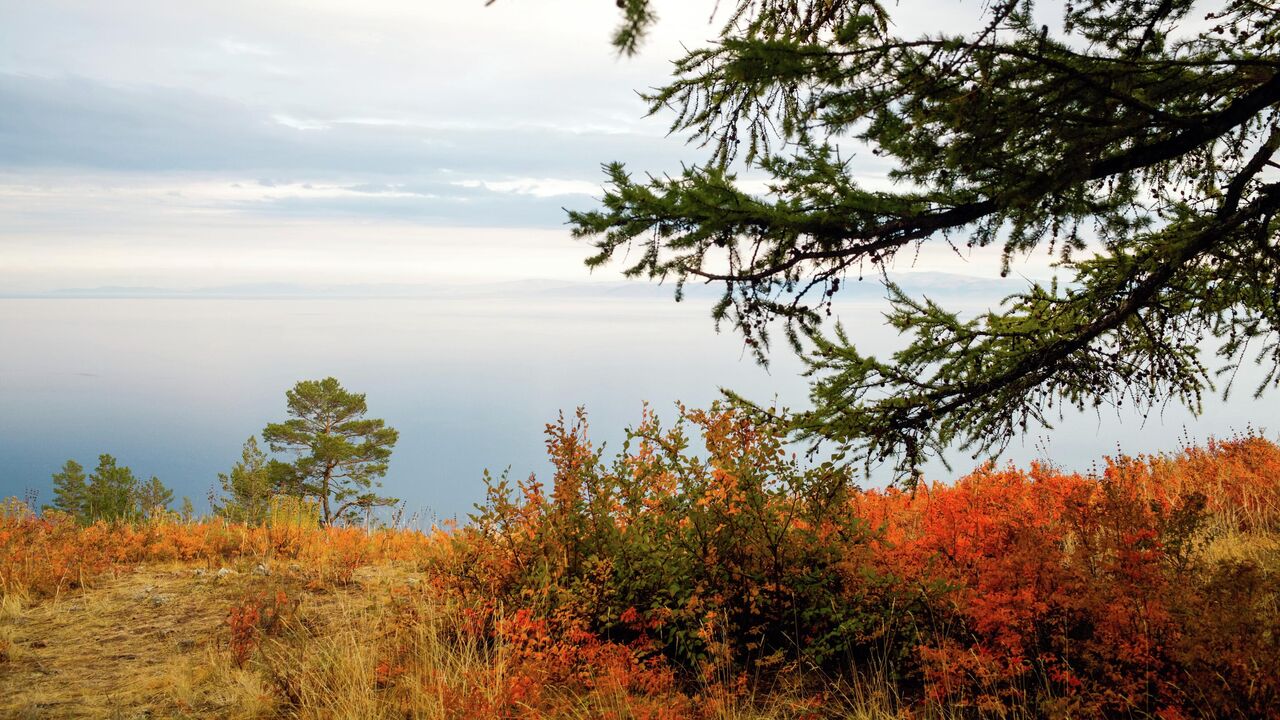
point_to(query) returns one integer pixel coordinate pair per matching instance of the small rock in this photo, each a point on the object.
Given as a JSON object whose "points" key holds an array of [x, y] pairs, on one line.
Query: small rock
{"points": [[159, 600], [144, 592], [199, 572], [261, 569], [225, 572]]}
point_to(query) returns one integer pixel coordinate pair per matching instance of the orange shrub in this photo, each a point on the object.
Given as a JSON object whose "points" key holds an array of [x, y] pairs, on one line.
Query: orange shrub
{"points": [[1038, 590], [43, 556], [1086, 595], [734, 558], [665, 577], [257, 615]]}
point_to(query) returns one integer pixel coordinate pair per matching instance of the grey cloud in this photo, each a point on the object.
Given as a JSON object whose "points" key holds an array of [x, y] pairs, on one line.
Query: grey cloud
{"points": [[437, 203], [79, 123]]}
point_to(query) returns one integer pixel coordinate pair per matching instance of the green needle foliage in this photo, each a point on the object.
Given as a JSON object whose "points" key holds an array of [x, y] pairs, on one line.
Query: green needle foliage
{"points": [[247, 489], [70, 493], [111, 492], [340, 453], [1136, 142], [153, 497]]}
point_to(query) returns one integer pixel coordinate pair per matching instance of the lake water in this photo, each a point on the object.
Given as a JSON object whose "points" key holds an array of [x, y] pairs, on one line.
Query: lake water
{"points": [[174, 387]]}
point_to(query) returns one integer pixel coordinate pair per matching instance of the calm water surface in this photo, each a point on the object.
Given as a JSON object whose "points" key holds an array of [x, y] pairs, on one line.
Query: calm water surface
{"points": [[174, 387]]}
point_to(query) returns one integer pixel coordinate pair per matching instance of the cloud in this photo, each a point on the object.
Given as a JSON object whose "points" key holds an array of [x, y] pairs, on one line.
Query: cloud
{"points": [[537, 187], [290, 121], [233, 46], [76, 122], [171, 132], [290, 243]]}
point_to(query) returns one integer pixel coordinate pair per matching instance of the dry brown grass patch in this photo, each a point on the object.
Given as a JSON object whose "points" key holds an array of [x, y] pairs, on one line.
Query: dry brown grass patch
{"points": [[150, 642]]}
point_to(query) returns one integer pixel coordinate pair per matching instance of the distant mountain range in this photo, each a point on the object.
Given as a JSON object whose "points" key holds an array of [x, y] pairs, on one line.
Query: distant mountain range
{"points": [[935, 284]]}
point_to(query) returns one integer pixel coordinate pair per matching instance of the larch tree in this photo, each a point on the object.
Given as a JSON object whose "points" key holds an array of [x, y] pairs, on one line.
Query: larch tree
{"points": [[340, 454], [1136, 142]]}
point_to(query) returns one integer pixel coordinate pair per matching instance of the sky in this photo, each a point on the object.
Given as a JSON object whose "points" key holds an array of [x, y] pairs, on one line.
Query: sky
{"points": [[183, 145], [186, 144]]}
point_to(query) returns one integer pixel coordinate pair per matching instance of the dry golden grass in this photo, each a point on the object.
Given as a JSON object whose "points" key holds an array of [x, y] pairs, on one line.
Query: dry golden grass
{"points": [[1226, 543], [151, 643]]}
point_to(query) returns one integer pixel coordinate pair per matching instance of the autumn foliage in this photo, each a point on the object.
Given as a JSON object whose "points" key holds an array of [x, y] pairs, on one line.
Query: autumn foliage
{"points": [[46, 556], [1032, 591], [675, 581]]}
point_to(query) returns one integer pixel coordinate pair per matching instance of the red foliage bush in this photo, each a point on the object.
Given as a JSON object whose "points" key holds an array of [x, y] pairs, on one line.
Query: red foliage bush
{"points": [[256, 616], [1055, 592], [668, 576]]}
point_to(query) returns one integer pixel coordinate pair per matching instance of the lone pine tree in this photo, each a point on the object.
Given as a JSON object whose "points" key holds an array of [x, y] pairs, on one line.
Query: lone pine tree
{"points": [[1135, 141], [340, 453]]}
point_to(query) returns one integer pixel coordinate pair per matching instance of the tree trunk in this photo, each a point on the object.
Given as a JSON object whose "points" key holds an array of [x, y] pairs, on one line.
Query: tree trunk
{"points": [[324, 494]]}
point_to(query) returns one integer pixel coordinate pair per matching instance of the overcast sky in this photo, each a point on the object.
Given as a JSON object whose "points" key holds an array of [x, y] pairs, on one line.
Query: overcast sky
{"points": [[184, 144], [192, 144]]}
